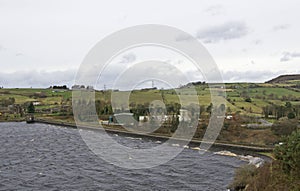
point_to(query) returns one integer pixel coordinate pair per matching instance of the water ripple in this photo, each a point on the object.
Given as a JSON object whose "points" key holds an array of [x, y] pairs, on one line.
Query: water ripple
{"points": [[46, 157]]}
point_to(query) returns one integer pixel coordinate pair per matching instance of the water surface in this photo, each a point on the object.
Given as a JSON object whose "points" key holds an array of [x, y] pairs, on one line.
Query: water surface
{"points": [[46, 157]]}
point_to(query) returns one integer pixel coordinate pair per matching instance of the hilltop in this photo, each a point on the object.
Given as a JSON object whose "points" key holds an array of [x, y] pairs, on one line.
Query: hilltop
{"points": [[284, 78]]}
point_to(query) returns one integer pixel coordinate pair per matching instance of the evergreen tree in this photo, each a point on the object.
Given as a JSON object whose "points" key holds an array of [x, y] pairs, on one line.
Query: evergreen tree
{"points": [[30, 108]]}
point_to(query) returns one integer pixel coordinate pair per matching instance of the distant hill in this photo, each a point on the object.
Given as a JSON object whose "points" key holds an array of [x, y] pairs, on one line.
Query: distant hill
{"points": [[284, 78]]}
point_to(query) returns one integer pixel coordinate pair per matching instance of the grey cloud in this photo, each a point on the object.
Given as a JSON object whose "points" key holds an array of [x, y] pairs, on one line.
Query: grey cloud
{"points": [[228, 76], [151, 70], [99, 77], [109, 75], [257, 42], [45, 79], [287, 56], [249, 76], [2, 48], [37, 79], [227, 31], [183, 38], [281, 27], [128, 58], [167, 73]]}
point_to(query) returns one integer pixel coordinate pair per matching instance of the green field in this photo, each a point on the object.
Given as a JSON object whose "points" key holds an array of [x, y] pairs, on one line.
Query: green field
{"points": [[261, 95]]}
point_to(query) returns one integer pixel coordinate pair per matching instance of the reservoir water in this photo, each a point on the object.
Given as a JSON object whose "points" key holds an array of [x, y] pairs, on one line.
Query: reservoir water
{"points": [[47, 157]]}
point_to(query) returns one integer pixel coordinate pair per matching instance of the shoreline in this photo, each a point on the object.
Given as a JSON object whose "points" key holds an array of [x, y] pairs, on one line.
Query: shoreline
{"points": [[259, 151], [193, 142]]}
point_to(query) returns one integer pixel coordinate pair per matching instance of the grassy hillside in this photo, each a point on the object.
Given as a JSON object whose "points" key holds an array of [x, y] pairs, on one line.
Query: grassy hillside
{"points": [[248, 102], [285, 79], [261, 95]]}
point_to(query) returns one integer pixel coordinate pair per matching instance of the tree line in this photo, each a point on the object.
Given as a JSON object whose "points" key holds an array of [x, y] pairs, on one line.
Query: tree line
{"points": [[278, 111]]}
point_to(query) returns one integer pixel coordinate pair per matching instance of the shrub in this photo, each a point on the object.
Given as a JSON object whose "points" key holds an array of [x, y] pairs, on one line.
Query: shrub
{"points": [[248, 99], [280, 174], [284, 127], [291, 115], [243, 177]]}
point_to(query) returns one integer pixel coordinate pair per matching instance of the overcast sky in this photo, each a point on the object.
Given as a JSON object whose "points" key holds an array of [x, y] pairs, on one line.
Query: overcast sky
{"points": [[43, 42]]}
